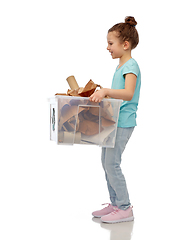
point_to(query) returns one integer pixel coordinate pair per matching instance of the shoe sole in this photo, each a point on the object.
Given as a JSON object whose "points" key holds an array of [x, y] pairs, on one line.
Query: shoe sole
{"points": [[97, 216], [120, 220]]}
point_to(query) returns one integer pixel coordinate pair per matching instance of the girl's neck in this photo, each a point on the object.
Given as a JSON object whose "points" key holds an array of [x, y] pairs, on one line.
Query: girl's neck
{"points": [[126, 57]]}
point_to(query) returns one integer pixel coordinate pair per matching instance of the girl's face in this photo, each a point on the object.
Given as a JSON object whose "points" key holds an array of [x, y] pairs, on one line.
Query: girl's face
{"points": [[115, 47]]}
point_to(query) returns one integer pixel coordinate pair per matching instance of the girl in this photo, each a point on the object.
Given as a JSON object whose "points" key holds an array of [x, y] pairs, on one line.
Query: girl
{"points": [[121, 38]]}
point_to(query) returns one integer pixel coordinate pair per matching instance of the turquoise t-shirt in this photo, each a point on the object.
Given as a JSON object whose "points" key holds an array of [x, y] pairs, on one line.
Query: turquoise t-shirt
{"points": [[127, 114]]}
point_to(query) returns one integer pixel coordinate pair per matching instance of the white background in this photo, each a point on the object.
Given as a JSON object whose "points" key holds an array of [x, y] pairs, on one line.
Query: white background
{"points": [[48, 191]]}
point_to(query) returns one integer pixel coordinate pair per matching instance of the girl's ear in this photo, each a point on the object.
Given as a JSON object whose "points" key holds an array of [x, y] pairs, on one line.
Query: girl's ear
{"points": [[126, 45]]}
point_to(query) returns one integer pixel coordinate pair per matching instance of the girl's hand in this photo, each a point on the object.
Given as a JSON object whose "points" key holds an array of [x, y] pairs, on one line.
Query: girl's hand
{"points": [[98, 96]]}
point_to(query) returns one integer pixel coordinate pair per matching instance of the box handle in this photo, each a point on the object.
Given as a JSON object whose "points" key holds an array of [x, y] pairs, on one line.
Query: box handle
{"points": [[53, 119]]}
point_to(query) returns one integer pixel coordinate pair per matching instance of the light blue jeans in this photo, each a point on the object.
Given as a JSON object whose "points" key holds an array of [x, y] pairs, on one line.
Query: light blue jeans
{"points": [[111, 160]]}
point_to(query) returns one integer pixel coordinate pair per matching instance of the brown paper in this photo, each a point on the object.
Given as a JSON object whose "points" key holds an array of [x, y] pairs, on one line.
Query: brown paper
{"points": [[69, 137], [67, 113], [75, 117], [83, 119], [89, 128], [87, 91]]}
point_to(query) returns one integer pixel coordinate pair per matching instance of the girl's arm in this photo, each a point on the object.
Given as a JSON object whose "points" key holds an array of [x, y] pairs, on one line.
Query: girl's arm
{"points": [[125, 94]]}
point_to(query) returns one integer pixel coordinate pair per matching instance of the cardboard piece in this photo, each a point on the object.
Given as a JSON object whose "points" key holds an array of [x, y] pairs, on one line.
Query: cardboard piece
{"points": [[72, 82], [82, 120], [99, 139], [69, 137], [77, 116]]}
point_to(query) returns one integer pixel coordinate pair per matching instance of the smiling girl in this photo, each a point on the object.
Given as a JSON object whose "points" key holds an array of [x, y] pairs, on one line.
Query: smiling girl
{"points": [[121, 38]]}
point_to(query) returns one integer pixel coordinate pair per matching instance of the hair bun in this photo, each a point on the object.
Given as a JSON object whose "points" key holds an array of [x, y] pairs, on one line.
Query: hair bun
{"points": [[131, 21]]}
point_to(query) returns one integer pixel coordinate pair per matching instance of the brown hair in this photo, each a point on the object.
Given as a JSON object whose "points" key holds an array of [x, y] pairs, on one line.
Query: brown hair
{"points": [[126, 31]]}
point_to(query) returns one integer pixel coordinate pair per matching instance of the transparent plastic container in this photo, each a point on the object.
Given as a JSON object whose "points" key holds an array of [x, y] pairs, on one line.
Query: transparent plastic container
{"points": [[76, 120]]}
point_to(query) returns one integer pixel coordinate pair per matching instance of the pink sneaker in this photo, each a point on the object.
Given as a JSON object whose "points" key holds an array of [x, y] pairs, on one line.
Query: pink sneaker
{"points": [[104, 211], [119, 215]]}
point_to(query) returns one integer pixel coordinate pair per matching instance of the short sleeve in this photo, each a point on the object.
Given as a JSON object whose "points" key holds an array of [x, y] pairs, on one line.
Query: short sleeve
{"points": [[132, 67]]}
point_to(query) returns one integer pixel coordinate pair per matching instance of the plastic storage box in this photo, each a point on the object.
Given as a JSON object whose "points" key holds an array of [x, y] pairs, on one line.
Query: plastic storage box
{"points": [[78, 120]]}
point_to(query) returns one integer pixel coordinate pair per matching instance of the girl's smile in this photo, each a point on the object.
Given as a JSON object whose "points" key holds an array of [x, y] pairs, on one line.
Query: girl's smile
{"points": [[117, 48], [114, 46]]}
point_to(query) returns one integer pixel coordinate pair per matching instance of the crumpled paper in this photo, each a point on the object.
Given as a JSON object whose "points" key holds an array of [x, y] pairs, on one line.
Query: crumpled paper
{"points": [[82, 116], [87, 91]]}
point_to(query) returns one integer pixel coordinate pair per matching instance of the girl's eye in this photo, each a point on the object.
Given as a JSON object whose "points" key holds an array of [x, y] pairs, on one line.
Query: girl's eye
{"points": [[110, 43]]}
